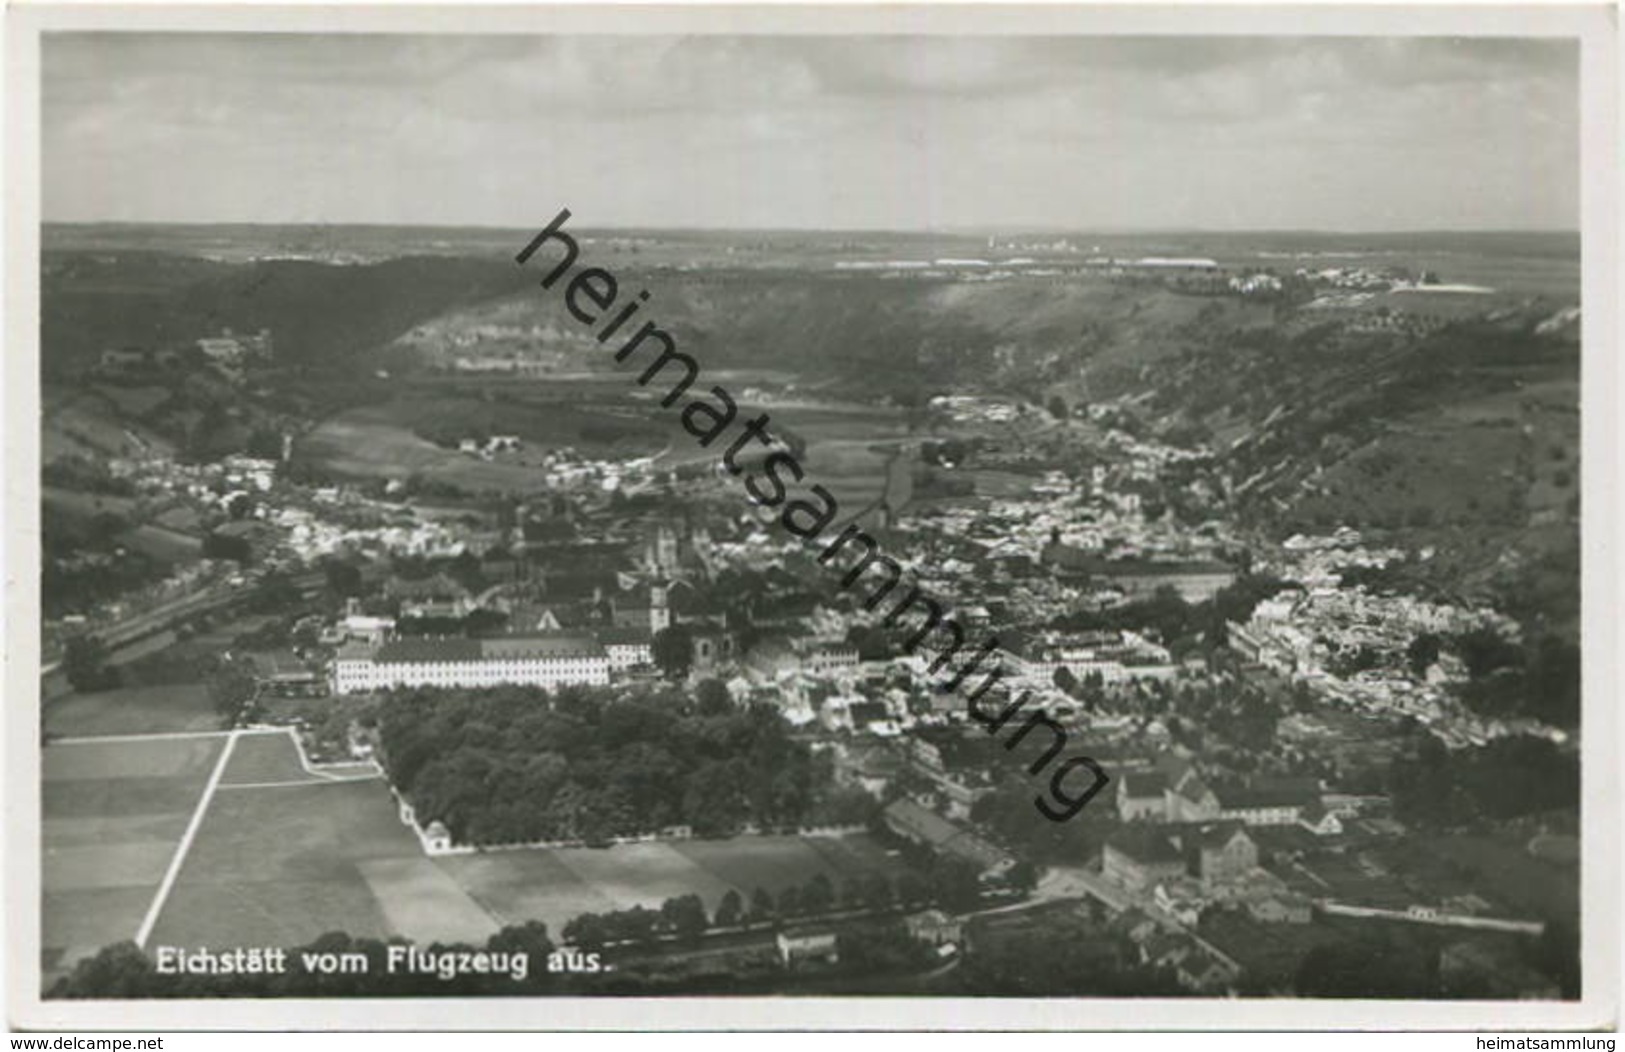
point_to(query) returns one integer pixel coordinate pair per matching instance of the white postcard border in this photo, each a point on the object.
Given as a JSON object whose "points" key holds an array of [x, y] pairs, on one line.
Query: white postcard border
{"points": [[1603, 654]]}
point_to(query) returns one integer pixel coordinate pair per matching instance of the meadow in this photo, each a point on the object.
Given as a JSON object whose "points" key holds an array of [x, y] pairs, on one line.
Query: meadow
{"points": [[284, 855], [168, 708], [279, 866], [112, 815], [600, 415], [555, 885]]}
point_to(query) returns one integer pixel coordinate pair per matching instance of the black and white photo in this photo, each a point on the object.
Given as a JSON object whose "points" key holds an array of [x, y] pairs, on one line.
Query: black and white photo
{"points": [[1002, 509]]}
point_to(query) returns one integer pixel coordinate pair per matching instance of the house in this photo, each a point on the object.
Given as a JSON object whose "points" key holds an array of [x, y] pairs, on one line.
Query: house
{"points": [[1225, 854], [434, 596], [1320, 820], [1188, 798], [1165, 949], [292, 683], [437, 838], [1139, 858], [947, 749], [868, 767], [871, 716], [1142, 795], [438, 609], [713, 645], [1133, 924], [1468, 905], [1280, 908], [826, 657], [802, 946], [542, 660], [914, 821], [1195, 580], [222, 349], [628, 648], [366, 628], [231, 349], [1205, 971], [934, 928], [653, 615], [1277, 802], [1180, 898]]}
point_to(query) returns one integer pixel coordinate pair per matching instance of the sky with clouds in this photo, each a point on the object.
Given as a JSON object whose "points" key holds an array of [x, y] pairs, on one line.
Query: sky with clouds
{"points": [[814, 132]]}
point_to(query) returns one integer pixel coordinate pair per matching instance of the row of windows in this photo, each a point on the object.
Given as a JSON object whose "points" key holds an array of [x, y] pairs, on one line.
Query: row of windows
{"points": [[601, 676], [586, 662], [350, 676]]}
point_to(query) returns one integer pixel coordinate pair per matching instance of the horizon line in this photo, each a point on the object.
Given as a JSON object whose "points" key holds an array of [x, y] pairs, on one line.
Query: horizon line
{"points": [[978, 231]]}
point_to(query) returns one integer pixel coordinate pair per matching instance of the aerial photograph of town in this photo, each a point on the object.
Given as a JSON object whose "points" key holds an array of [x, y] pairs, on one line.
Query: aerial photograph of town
{"points": [[1033, 517]]}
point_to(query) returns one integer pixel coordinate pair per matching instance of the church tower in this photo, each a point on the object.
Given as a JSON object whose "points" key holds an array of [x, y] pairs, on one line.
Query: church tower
{"points": [[659, 612], [660, 554]]}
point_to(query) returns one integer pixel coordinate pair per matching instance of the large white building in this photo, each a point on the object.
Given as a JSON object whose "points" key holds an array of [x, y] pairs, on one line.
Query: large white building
{"points": [[539, 660], [626, 648]]}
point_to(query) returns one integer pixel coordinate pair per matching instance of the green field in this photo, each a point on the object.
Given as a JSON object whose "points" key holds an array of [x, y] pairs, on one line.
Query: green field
{"points": [[847, 443], [264, 758], [281, 866], [1501, 867], [113, 813], [365, 443], [166, 709], [555, 885], [162, 544], [283, 856], [393, 440]]}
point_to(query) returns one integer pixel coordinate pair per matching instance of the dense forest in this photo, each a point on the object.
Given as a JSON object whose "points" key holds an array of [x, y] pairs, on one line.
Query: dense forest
{"points": [[515, 764], [1506, 778], [328, 316]]}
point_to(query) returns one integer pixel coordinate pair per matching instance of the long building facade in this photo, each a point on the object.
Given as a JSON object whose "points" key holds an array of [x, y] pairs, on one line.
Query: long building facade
{"points": [[540, 660]]}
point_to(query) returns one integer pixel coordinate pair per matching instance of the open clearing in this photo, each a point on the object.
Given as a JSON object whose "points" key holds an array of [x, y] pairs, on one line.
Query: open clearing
{"points": [[610, 417], [166, 709], [387, 441], [266, 758], [281, 866], [113, 812], [555, 885], [282, 855]]}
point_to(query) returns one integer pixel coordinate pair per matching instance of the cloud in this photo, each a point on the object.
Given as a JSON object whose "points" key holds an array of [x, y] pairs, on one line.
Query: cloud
{"points": [[815, 131]]}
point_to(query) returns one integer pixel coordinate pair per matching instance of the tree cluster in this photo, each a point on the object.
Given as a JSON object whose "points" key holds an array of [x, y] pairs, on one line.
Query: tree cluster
{"points": [[682, 917], [231, 687], [85, 474], [85, 663], [1506, 778], [1164, 612], [880, 946], [85, 563], [1062, 957], [1381, 964], [1507, 679], [673, 650], [511, 765]]}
